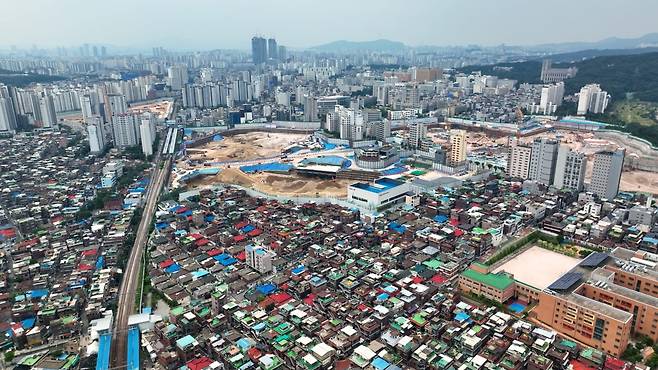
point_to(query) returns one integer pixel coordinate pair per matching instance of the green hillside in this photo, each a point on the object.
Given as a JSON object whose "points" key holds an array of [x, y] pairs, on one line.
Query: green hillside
{"points": [[617, 74]]}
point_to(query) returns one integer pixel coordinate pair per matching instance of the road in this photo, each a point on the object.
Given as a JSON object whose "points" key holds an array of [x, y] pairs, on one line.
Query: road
{"points": [[128, 289]]}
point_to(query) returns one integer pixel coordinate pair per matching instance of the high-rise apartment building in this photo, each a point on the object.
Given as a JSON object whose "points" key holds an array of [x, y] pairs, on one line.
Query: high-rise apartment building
{"points": [[147, 133], [550, 98], [95, 134], [606, 174], [258, 50], [272, 49], [310, 109], [457, 147], [7, 115], [126, 130], [518, 164], [570, 169], [352, 125], [177, 77], [592, 99], [417, 132], [48, 115], [542, 160]]}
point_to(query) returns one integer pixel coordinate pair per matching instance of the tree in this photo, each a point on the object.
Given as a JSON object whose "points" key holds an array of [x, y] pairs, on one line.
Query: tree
{"points": [[9, 356]]}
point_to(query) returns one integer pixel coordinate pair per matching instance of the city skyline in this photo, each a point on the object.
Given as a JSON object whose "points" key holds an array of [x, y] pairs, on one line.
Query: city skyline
{"points": [[60, 23]]}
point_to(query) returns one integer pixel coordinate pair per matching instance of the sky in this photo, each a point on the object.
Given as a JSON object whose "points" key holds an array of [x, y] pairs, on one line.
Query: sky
{"points": [[212, 24]]}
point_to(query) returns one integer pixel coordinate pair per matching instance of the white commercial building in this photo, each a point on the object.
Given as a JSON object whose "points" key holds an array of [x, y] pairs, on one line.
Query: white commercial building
{"points": [[417, 132], [570, 169], [606, 174], [382, 192]]}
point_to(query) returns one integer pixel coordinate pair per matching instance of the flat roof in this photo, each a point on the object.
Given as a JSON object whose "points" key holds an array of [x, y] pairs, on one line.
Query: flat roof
{"points": [[538, 267], [378, 186], [498, 281]]}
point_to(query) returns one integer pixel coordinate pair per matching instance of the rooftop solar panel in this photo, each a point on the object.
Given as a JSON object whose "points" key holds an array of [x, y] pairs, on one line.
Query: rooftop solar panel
{"points": [[566, 281], [594, 259]]}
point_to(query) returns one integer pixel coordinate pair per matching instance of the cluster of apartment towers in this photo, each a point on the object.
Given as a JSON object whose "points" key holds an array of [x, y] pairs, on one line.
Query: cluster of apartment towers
{"points": [[551, 163]]}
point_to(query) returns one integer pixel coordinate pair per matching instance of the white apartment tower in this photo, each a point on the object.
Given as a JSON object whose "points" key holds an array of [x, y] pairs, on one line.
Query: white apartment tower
{"points": [[606, 174], [417, 132], [147, 133], [592, 99], [177, 77], [47, 108], [126, 130], [7, 115], [542, 160], [95, 134], [519, 161], [570, 169], [351, 123]]}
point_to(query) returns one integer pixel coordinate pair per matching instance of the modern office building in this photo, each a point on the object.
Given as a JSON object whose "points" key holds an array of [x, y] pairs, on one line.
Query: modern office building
{"points": [[518, 164], [570, 169], [457, 147], [258, 50], [543, 160], [383, 192], [327, 104], [592, 99], [95, 134], [606, 174]]}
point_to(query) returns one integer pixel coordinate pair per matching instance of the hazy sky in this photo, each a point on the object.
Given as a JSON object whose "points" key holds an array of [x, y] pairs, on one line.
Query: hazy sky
{"points": [[208, 24]]}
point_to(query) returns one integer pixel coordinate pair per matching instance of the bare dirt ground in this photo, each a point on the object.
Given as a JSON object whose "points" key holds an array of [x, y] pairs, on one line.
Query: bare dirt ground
{"points": [[640, 181], [290, 185], [248, 146], [159, 109]]}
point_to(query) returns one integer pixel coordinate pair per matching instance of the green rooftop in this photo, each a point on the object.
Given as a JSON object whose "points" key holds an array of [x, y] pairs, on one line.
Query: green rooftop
{"points": [[499, 281]]}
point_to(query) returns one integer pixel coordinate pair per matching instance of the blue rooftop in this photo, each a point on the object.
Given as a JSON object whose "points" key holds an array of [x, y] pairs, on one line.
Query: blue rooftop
{"points": [[103, 359], [266, 288], [379, 186]]}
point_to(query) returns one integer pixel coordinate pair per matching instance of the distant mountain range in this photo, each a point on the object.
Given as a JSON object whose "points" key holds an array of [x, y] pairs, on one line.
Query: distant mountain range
{"points": [[395, 47], [648, 40], [343, 46]]}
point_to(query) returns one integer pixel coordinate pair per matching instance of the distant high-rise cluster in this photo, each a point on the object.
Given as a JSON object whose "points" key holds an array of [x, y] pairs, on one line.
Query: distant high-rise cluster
{"points": [[263, 49]]}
